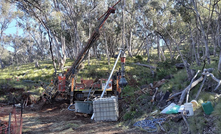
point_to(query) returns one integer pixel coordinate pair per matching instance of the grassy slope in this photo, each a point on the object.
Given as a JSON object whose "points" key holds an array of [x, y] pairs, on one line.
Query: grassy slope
{"points": [[134, 108]]}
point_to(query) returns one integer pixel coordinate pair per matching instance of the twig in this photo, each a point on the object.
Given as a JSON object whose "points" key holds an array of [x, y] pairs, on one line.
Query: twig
{"points": [[188, 126], [154, 95]]}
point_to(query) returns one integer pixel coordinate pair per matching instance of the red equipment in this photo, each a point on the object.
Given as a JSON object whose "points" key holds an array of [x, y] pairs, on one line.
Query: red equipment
{"points": [[66, 85]]}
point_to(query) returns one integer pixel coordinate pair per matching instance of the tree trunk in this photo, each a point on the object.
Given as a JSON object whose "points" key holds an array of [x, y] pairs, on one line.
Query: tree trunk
{"points": [[207, 56], [52, 55], [2, 65], [193, 47], [189, 74], [148, 46], [89, 51], [162, 54], [130, 44], [106, 46], [63, 58], [158, 48], [219, 64]]}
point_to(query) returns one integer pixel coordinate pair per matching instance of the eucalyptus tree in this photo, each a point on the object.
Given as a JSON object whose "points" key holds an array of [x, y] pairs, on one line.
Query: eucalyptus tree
{"points": [[7, 14]]}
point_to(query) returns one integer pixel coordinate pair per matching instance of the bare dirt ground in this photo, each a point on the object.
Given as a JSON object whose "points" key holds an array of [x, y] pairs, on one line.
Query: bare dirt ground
{"points": [[57, 119]]}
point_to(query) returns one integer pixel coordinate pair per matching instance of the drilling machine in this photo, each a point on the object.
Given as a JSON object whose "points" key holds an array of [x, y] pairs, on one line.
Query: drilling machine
{"points": [[65, 85]]}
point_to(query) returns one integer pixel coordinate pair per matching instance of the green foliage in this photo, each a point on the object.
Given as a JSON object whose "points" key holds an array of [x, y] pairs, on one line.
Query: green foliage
{"points": [[197, 124], [179, 82], [164, 69], [138, 58], [217, 114], [129, 115], [204, 97], [128, 91]]}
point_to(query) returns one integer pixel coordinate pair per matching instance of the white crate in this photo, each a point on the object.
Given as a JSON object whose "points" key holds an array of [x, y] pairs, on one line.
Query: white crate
{"points": [[106, 109]]}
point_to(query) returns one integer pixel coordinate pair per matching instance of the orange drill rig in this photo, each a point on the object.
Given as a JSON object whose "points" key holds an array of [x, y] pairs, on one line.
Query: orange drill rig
{"points": [[66, 85]]}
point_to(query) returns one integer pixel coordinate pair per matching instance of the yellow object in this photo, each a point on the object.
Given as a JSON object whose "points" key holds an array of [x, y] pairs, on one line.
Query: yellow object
{"points": [[195, 104]]}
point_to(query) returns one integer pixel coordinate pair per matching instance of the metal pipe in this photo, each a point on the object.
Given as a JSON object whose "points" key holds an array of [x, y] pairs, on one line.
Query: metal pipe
{"points": [[69, 108], [9, 123], [72, 90], [111, 74], [109, 78]]}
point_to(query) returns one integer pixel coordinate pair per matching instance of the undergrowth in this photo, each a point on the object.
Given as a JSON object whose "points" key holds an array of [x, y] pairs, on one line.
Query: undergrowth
{"points": [[135, 107]]}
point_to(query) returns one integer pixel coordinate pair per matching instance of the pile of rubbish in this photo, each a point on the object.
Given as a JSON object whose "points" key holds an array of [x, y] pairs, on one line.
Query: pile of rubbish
{"points": [[173, 103]]}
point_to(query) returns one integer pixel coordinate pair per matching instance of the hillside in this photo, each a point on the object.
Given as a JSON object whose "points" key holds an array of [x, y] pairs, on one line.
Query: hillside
{"points": [[137, 101]]}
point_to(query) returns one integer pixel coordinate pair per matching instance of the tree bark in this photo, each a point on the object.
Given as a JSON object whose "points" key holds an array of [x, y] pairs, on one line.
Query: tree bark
{"points": [[63, 58], [148, 46], [106, 46], [130, 44], [207, 55], [158, 48], [193, 47]]}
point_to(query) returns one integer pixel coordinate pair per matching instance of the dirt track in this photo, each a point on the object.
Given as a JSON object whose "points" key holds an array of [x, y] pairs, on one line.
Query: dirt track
{"points": [[55, 118]]}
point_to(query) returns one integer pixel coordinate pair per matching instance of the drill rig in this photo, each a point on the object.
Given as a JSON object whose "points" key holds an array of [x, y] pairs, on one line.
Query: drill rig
{"points": [[66, 85]]}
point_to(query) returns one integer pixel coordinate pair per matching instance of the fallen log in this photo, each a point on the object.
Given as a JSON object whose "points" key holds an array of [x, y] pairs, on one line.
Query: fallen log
{"points": [[184, 92], [144, 65]]}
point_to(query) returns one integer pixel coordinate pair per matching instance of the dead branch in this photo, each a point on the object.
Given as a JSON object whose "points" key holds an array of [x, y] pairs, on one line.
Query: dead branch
{"points": [[154, 95], [188, 91], [198, 93], [188, 126], [174, 95], [217, 86], [144, 65], [189, 87], [212, 76]]}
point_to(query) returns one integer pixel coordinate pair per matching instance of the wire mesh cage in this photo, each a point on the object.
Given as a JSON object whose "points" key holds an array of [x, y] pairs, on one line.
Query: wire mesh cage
{"points": [[106, 109]]}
